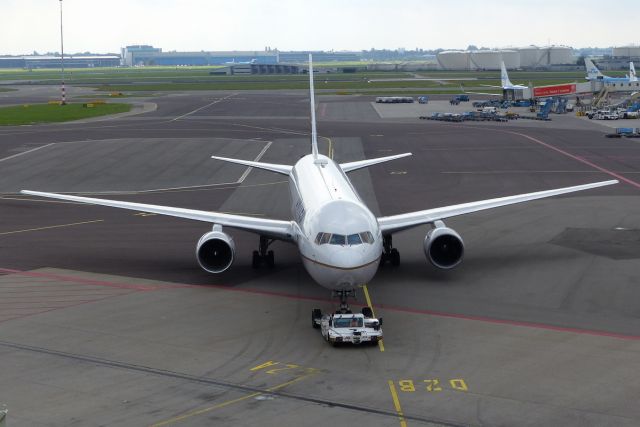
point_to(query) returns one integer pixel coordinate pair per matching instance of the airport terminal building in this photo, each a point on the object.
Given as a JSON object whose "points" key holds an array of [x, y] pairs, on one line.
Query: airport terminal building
{"points": [[141, 55], [144, 55], [54, 61]]}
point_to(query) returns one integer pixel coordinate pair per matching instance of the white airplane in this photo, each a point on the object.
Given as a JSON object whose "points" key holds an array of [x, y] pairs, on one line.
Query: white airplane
{"points": [[233, 62], [505, 83], [341, 242], [593, 73]]}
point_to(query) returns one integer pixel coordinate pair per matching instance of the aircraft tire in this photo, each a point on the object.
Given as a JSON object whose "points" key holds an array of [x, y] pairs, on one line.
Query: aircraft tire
{"points": [[395, 257], [367, 312], [315, 314]]}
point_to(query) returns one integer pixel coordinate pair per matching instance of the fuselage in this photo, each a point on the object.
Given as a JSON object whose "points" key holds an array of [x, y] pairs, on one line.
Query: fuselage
{"points": [[608, 79], [337, 235]]}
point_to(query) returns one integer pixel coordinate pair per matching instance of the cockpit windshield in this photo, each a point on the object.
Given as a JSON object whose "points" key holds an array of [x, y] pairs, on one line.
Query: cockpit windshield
{"points": [[347, 322], [337, 239], [341, 239]]}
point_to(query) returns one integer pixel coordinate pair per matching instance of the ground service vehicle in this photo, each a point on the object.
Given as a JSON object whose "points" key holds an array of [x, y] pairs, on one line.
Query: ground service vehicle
{"points": [[352, 328]]}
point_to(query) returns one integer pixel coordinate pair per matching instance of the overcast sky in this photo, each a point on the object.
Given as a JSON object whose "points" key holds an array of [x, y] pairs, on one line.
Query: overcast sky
{"points": [[102, 26]]}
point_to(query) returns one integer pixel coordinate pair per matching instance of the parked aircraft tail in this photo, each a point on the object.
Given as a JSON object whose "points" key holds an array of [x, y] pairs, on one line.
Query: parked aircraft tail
{"points": [[314, 134], [504, 77], [592, 71], [632, 73], [286, 169]]}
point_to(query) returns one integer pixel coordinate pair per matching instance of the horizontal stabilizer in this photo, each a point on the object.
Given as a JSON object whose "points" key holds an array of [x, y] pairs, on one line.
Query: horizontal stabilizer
{"points": [[351, 166], [283, 169]]}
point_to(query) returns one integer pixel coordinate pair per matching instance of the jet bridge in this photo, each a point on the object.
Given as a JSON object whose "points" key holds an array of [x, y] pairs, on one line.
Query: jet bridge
{"points": [[599, 87]]}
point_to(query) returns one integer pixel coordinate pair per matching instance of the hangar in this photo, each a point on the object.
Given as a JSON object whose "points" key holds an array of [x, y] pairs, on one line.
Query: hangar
{"points": [[54, 61]]}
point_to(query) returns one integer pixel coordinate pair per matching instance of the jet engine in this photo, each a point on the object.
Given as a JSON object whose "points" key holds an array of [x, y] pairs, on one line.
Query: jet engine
{"points": [[443, 247], [215, 251]]}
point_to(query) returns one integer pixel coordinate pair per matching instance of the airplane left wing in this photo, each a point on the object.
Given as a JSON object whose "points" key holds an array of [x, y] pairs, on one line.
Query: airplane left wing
{"points": [[394, 223], [277, 229]]}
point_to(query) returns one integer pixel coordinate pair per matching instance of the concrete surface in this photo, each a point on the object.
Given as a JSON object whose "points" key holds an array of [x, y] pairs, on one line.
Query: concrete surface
{"points": [[106, 319]]}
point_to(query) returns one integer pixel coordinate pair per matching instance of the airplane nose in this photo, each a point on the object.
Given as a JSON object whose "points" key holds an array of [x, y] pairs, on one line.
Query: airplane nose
{"points": [[348, 258]]}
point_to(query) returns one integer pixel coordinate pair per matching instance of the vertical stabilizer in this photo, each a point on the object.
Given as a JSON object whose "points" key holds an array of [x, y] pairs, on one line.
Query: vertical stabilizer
{"points": [[632, 73], [504, 77], [592, 71], [314, 134]]}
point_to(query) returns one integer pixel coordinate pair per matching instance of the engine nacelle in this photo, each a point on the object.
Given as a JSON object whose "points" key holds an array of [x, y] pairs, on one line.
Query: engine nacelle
{"points": [[215, 251], [443, 247]]}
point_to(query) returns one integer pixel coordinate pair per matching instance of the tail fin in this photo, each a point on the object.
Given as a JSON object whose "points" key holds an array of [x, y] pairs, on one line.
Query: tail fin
{"points": [[504, 77], [314, 134], [632, 73], [592, 71]]}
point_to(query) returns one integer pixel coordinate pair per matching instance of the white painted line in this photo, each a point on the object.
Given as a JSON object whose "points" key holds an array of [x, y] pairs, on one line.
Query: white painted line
{"points": [[201, 108], [238, 181], [248, 171], [27, 152]]}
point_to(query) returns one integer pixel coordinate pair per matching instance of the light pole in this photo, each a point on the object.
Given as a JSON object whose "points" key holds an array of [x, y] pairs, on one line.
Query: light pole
{"points": [[64, 95]]}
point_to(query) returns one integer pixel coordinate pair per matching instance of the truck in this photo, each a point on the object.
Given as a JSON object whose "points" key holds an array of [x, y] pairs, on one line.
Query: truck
{"points": [[348, 328], [626, 132], [603, 114], [489, 110], [394, 99]]}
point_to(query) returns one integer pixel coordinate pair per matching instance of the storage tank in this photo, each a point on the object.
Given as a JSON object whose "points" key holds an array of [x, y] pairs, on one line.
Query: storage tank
{"points": [[529, 56], [626, 52], [511, 59], [560, 55], [453, 60], [486, 59]]}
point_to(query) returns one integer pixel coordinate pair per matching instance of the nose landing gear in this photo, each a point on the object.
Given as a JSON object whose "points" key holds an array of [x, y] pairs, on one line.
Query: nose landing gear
{"points": [[343, 295]]}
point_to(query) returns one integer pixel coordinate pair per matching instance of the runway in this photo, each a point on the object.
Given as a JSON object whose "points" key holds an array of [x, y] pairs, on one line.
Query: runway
{"points": [[106, 317]]}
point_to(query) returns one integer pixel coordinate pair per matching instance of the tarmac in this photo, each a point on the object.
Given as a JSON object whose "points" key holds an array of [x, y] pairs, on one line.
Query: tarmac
{"points": [[106, 318]]}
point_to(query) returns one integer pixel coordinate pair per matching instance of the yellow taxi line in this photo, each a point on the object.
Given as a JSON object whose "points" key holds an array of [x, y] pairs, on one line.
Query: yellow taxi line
{"points": [[396, 404], [229, 402], [370, 304]]}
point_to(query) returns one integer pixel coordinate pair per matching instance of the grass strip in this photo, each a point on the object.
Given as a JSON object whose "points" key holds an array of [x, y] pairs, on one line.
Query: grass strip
{"points": [[49, 113]]}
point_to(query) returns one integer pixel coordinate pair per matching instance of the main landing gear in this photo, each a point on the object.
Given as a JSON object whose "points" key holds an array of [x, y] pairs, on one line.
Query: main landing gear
{"points": [[263, 255], [389, 253]]}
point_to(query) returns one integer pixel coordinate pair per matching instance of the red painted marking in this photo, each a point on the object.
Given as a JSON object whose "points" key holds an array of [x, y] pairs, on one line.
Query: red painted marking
{"points": [[42, 310], [380, 306], [33, 303], [511, 322], [36, 310], [45, 292], [84, 281], [578, 158]]}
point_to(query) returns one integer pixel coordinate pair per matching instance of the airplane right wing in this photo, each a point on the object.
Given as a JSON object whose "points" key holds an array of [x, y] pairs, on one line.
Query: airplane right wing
{"points": [[394, 223], [277, 229]]}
